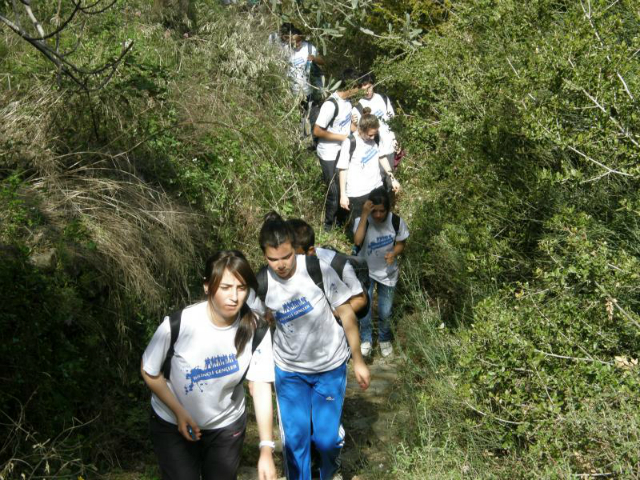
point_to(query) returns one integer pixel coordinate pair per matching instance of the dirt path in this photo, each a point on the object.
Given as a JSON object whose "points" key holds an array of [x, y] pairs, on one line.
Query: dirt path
{"points": [[370, 422]]}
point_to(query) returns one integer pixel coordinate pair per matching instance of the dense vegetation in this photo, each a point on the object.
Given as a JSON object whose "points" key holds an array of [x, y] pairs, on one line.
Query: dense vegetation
{"points": [[520, 292]]}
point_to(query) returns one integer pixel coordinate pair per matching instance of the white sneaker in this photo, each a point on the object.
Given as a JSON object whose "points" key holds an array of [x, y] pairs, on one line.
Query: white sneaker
{"points": [[337, 476], [365, 349], [386, 349]]}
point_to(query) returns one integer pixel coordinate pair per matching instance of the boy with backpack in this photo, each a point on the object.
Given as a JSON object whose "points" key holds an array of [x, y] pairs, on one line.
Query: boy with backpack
{"points": [[381, 236], [380, 106], [357, 279], [310, 349], [332, 127]]}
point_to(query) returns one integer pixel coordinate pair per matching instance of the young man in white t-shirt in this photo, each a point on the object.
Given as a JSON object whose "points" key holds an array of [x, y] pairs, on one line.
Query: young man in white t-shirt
{"points": [[381, 236], [310, 350], [381, 107], [332, 127]]}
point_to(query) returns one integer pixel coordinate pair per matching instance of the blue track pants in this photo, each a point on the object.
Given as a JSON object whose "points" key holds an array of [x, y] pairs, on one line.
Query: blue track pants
{"points": [[310, 408]]}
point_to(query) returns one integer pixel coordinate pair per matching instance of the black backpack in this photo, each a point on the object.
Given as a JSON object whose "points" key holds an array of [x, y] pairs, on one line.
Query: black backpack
{"points": [[174, 321], [359, 264], [315, 112]]}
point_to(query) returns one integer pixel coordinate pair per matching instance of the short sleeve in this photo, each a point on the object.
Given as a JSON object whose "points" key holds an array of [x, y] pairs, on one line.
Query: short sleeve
{"points": [[255, 304], [262, 368], [326, 113], [336, 291], [156, 352], [351, 279], [343, 160], [403, 231]]}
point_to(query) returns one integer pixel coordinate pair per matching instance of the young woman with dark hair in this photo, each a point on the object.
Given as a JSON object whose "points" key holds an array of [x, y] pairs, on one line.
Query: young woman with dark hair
{"points": [[310, 350], [360, 165], [381, 238], [198, 418]]}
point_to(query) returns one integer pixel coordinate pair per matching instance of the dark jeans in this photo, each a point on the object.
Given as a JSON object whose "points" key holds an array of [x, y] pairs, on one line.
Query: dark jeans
{"points": [[355, 208], [333, 213], [215, 456]]}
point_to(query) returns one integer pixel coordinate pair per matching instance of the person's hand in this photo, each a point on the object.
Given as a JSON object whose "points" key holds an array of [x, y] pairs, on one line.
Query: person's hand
{"points": [[344, 202], [395, 185], [390, 257], [396, 146], [361, 371], [184, 422], [266, 467], [367, 208], [355, 119], [311, 58]]}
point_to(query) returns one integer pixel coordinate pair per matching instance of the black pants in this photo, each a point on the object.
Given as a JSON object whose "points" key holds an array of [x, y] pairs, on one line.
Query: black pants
{"points": [[333, 213], [215, 456]]}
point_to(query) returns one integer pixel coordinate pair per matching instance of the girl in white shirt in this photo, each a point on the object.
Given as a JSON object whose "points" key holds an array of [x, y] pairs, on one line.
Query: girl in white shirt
{"points": [[360, 167], [198, 416]]}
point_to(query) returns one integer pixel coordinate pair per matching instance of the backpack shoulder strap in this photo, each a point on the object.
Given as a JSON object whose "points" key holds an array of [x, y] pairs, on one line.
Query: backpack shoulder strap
{"points": [[395, 221], [309, 48], [360, 108], [335, 112], [263, 283], [337, 263], [313, 269], [258, 336], [352, 146], [174, 323], [386, 101]]}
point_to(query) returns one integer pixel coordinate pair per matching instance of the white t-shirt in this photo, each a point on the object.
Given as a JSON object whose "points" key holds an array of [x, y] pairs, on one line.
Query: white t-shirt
{"points": [[308, 339], [205, 368], [380, 239], [363, 171], [299, 67], [384, 111], [328, 149], [349, 276]]}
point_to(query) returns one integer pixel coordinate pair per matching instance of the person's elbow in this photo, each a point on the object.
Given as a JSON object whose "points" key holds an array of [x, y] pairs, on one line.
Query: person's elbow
{"points": [[319, 131]]}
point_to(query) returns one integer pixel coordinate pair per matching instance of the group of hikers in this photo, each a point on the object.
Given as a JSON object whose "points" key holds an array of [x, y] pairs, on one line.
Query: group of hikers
{"points": [[297, 322]]}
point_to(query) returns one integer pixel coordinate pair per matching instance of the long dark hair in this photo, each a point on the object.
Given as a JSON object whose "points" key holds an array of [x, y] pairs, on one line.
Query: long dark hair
{"points": [[237, 264]]}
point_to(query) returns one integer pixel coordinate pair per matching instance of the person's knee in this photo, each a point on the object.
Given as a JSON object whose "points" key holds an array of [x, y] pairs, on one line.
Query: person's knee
{"points": [[327, 443]]}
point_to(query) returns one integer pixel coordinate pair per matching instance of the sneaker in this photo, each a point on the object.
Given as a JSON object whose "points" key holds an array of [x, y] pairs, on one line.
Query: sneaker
{"points": [[337, 476], [386, 349], [365, 349]]}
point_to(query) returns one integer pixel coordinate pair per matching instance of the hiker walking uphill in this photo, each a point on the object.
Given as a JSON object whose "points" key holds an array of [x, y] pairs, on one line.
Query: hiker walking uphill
{"points": [[360, 165], [332, 127], [304, 244], [381, 236], [195, 365], [380, 106], [311, 349]]}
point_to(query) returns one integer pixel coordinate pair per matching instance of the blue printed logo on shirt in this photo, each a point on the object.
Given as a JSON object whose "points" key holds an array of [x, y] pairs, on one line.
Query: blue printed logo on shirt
{"points": [[214, 367], [379, 242], [293, 309], [372, 152], [346, 120]]}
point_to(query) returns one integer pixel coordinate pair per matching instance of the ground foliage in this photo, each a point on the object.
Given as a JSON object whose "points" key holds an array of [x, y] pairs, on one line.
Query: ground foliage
{"points": [[523, 128], [521, 192], [110, 201]]}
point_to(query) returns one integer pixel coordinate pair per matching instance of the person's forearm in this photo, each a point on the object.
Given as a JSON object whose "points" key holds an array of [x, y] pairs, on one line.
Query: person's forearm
{"points": [[350, 326], [361, 231], [318, 60], [264, 409], [343, 182], [398, 248], [325, 134], [158, 385], [384, 163]]}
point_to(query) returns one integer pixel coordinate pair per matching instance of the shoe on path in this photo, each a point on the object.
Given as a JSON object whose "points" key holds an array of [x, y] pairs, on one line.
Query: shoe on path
{"points": [[386, 349], [365, 349]]}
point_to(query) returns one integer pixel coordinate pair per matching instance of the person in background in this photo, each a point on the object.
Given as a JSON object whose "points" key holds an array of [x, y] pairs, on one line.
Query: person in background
{"points": [[198, 418], [381, 107], [304, 244], [361, 166], [381, 236], [332, 127]]}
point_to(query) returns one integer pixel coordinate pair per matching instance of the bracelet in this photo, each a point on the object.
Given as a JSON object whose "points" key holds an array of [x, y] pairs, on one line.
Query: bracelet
{"points": [[267, 443]]}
